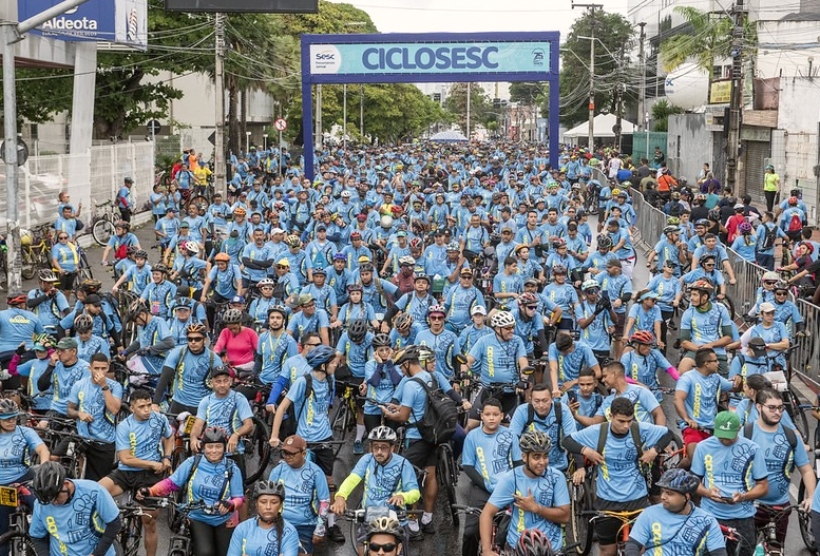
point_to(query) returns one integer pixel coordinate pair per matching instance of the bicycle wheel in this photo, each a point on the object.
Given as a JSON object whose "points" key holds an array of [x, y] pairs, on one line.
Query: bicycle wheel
{"points": [[102, 231], [257, 451], [131, 534], [578, 530], [84, 273], [18, 543], [340, 420], [804, 520], [797, 415], [446, 478], [674, 451]]}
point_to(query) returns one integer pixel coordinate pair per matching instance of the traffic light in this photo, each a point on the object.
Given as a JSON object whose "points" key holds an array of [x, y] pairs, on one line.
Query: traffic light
{"points": [[437, 97], [496, 103]]}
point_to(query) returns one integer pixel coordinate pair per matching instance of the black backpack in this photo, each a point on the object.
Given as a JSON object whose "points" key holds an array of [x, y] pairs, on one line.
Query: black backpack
{"points": [[438, 424], [769, 237], [791, 437]]}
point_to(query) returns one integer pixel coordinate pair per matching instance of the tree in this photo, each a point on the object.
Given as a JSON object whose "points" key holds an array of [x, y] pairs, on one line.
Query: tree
{"points": [[480, 106], [614, 41], [661, 111], [707, 36]]}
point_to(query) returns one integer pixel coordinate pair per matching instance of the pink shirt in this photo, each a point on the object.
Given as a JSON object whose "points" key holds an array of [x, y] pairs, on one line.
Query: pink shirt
{"points": [[241, 348]]}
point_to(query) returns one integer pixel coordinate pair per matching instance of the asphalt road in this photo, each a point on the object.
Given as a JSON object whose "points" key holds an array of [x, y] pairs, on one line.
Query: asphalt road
{"points": [[446, 541]]}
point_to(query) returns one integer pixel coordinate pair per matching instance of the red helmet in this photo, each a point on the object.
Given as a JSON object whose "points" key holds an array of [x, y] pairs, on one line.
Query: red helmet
{"points": [[527, 298], [642, 337], [702, 285]]}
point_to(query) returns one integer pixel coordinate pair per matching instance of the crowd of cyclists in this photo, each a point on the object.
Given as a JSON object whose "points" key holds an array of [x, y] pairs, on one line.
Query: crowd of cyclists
{"points": [[440, 309]]}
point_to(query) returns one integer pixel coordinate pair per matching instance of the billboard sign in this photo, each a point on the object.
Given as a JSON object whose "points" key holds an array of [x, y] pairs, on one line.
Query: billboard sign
{"points": [[244, 6], [118, 21]]}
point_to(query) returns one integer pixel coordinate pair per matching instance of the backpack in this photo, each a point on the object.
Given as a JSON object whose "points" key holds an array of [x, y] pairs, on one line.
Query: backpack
{"points": [[769, 237], [438, 424], [791, 437], [795, 223], [559, 419], [635, 432]]}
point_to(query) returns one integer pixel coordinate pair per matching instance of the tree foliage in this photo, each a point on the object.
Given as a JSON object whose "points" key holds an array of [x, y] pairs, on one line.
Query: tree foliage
{"points": [[661, 111], [481, 108], [613, 34]]}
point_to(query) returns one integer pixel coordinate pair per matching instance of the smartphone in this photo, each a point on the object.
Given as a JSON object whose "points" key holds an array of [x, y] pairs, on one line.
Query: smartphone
{"points": [[728, 499], [572, 396]]}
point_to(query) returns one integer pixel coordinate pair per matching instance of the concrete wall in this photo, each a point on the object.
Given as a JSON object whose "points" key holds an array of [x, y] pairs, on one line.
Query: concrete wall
{"points": [[689, 145], [786, 47]]}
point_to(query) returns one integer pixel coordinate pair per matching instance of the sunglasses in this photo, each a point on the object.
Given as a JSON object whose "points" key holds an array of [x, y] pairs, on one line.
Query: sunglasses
{"points": [[313, 345], [436, 318], [62, 237], [532, 307], [770, 282], [281, 267], [387, 547], [196, 338], [781, 293]]}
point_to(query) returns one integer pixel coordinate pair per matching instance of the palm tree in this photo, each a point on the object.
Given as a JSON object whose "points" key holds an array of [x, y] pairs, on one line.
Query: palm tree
{"points": [[709, 38]]}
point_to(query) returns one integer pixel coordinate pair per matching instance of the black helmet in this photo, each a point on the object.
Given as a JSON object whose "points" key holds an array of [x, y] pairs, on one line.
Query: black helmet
{"points": [[269, 488], [320, 355], [214, 435], [49, 478], [357, 330], [160, 268], [83, 324], [382, 340], [141, 254], [409, 353], [604, 241], [679, 480]]}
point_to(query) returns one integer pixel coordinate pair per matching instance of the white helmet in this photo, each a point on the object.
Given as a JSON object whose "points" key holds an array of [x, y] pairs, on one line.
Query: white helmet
{"points": [[387, 221], [502, 319], [192, 247], [770, 275], [590, 284]]}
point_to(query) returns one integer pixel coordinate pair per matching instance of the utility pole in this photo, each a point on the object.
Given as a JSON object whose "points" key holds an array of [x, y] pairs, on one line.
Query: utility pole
{"points": [[620, 89], [10, 34], [591, 8], [642, 85], [736, 100], [220, 165], [468, 111]]}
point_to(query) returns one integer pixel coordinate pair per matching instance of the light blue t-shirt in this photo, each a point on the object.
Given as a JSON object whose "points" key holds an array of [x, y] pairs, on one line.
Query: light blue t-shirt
{"points": [[62, 381], [702, 395], [664, 532], [413, 395], [383, 481], [16, 449], [210, 483], [780, 461], [191, 371], [570, 364], [489, 453], [305, 488], [313, 421], [497, 361], [90, 398], [143, 438], [642, 398], [548, 424], [249, 539], [72, 534], [227, 413]]}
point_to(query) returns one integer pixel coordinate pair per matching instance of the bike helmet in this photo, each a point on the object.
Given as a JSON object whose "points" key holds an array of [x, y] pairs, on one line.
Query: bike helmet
{"points": [[559, 242], [714, 215], [222, 258], [409, 353], [90, 286], [141, 254], [136, 309], [381, 340], [535, 441], [386, 221], [385, 525], [47, 275], [436, 309], [559, 269], [781, 285], [416, 243], [132, 250], [339, 257], [239, 211], [679, 480], [8, 409], [192, 247], [294, 241], [160, 268], [502, 319], [745, 228], [355, 287], [123, 225], [453, 247], [673, 221], [383, 434], [642, 337], [83, 324], [16, 298], [703, 223], [589, 285], [426, 355], [770, 276], [403, 321], [264, 282], [48, 481], [703, 285], [183, 303], [533, 542], [269, 488], [527, 298], [671, 230], [407, 260], [320, 355], [604, 242], [214, 435], [232, 316], [196, 328], [357, 330]]}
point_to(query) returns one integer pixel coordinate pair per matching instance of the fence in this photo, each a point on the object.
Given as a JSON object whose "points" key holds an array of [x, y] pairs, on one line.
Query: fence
{"points": [[650, 224], [92, 177]]}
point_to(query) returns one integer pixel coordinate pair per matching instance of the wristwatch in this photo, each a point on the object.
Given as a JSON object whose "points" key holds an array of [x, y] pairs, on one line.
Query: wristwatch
{"points": [[105, 388]]}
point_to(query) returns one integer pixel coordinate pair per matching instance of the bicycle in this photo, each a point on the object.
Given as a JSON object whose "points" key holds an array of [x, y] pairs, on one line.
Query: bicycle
{"points": [[103, 222], [627, 518], [730, 535], [498, 519], [257, 448], [16, 538], [84, 271], [180, 543], [346, 413], [581, 496], [128, 538], [37, 253], [767, 535], [447, 473], [804, 520], [360, 517]]}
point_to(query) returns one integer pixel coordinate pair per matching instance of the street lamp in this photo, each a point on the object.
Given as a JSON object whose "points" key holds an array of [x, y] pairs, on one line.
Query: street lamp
{"points": [[265, 138], [247, 142]]}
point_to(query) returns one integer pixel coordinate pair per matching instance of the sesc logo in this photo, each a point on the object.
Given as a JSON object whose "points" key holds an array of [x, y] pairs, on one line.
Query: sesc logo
{"points": [[538, 57], [325, 59]]}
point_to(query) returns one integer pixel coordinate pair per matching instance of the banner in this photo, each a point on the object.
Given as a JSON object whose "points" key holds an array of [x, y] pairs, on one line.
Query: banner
{"points": [[118, 21]]}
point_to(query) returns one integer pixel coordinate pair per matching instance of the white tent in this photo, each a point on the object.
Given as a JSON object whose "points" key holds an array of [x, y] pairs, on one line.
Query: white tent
{"points": [[602, 127], [448, 137]]}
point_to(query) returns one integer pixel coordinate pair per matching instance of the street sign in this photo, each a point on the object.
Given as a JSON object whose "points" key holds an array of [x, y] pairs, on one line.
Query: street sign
{"points": [[280, 124], [154, 127], [212, 138], [22, 151]]}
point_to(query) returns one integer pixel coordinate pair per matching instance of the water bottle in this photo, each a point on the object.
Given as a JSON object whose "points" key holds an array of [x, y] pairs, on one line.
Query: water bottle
{"points": [[759, 551]]}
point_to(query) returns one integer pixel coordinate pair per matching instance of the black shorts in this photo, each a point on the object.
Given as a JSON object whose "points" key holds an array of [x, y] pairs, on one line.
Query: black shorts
{"points": [[100, 461], [607, 528], [620, 321], [324, 457], [133, 480], [421, 454]]}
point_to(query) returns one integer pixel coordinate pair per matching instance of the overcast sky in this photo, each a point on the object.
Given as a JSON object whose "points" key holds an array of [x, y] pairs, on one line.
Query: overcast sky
{"points": [[465, 16]]}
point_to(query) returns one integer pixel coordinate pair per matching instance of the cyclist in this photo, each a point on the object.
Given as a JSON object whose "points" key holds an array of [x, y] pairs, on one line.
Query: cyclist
{"points": [[566, 359], [152, 343], [210, 477], [188, 270], [237, 344], [500, 359], [307, 498], [620, 465], [33, 369], [257, 258], [64, 370], [322, 293], [274, 347], [647, 408], [87, 342], [47, 302], [226, 409], [404, 331], [732, 470], [669, 248], [120, 242], [768, 431], [388, 478], [353, 351], [507, 285], [477, 329], [311, 409], [549, 416], [773, 333], [144, 442], [380, 380], [486, 455], [765, 292], [562, 294], [356, 309], [309, 318], [667, 288], [412, 403], [385, 535], [461, 300], [267, 532], [582, 398], [642, 362], [17, 325], [160, 293], [185, 372], [529, 324], [619, 290], [535, 492], [138, 276], [63, 520], [597, 261], [226, 279], [745, 244], [706, 272], [676, 525], [787, 312], [644, 316], [704, 325], [440, 340], [594, 316]]}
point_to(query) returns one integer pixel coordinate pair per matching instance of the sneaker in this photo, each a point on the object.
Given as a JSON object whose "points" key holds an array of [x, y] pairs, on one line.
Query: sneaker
{"points": [[358, 449], [416, 535], [428, 528], [335, 534]]}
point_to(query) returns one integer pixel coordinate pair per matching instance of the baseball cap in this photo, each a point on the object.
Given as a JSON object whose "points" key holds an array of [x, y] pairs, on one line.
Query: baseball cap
{"points": [[727, 425], [237, 299], [277, 231], [221, 370], [478, 310], [296, 443], [67, 343], [185, 225], [39, 347], [305, 299], [766, 307], [93, 299]]}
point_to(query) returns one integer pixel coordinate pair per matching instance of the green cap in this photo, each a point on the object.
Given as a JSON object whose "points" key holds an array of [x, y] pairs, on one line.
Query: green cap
{"points": [[727, 425], [67, 343]]}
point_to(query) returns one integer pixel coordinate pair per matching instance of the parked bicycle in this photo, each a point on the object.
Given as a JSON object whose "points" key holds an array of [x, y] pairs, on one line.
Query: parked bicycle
{"points": [[102, 224]]}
